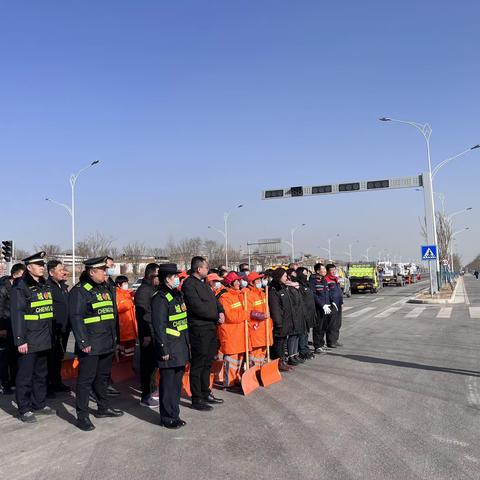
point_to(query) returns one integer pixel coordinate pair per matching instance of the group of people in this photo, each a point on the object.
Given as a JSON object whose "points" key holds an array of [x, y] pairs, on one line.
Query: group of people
{"points": [[175, 319]]}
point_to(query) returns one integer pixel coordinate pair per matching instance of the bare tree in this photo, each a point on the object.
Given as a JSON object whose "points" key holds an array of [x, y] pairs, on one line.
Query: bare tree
{"points": [[96, 245], [134, 252], [215, 252], [51, 250], [444, 234], [20, 254], [457, 262]]}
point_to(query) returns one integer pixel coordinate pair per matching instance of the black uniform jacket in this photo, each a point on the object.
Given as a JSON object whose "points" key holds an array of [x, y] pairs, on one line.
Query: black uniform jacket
{"points": [[203, 307], [37, 334], [5, 289], [60, 305], [282, 309], [143, 311], [175, 346], [308, 303], [101, 336]]}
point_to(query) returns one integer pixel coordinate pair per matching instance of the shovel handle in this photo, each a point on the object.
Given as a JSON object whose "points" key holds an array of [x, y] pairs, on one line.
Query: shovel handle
{"points": [[267, 326], [247, 355]]}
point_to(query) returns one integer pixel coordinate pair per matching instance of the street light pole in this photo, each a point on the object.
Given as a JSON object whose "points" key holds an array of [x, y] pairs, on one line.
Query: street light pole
{"points": [[291, 243], [451, 245], [71, 210]]}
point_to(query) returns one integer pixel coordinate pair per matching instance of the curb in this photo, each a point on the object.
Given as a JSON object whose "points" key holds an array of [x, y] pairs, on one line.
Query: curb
{"points": [[436, 301]]}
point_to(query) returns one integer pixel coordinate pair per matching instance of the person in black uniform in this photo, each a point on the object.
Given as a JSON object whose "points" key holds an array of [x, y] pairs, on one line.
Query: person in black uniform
{"points": [[61, 327], [92, 318], [170, 330], [111, 390], [322, 302], [32, 314], [8, 351]]}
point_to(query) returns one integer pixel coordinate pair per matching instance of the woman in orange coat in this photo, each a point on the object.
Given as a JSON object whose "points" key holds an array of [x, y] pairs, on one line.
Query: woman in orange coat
{"points": [[126, 316], [231, 334], [257, 315]]}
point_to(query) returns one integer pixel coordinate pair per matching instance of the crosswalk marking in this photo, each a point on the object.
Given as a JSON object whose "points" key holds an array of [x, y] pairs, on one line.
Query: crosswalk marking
{"points": [[344, 308], [444, 312], [417, 311], [358, 313], [377, 299], [474, 312], [387, 312]]}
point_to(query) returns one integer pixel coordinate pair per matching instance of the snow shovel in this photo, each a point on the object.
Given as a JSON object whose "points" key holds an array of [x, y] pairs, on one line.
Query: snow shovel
{"points": [[269, 372], [249, 377]]}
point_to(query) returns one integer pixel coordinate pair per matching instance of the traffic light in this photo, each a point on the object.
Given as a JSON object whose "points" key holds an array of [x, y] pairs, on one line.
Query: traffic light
{"points": [[321, 189], [348, 187], [296, 191], [273, 193], [378, 184], [7, 250]]}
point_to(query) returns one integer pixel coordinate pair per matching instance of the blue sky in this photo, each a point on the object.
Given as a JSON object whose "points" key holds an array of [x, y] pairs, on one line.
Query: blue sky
{"points": [[196, 106]]}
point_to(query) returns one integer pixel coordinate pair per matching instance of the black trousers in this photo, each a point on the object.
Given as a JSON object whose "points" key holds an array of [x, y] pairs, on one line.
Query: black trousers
{"points": [[8, 361], [204, 345], [279, 348], [31, 381], [319, 330], [148, 369], [93, 374], [170, 391], [55, 359], [333, 333]]}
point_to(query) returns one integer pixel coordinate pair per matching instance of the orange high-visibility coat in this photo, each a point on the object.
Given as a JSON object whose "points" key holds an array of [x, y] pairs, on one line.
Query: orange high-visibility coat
{"points": [[257, 302], [232, 333], [126, 316]]}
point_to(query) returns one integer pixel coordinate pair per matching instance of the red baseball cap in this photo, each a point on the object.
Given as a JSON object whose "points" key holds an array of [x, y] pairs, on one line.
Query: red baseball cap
{"points": [[230, 278], [254, 276]]}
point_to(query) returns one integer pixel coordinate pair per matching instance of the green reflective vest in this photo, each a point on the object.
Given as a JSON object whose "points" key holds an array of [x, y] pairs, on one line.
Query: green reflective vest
{"points": [[177, 316], [40, 305], [100, 305]]}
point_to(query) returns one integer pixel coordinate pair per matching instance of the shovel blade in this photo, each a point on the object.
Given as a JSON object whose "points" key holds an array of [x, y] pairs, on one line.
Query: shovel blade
{"points": [[249, 380], [269, 373]]}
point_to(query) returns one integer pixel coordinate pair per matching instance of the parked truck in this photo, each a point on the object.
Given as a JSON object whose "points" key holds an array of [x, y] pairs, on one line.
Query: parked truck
{"points": [[392, 274], [363, 277]]}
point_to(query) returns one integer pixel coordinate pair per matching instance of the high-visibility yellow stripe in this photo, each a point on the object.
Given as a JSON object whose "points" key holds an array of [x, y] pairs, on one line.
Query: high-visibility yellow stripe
{"points": [[41, 303], [30, 317], [46, 315], [91, 320], [182, 327], [236, 305], [106, 303], [87, 287], [108, 316], [170, 331], [169, 297], [178, 316], [259, 302]]}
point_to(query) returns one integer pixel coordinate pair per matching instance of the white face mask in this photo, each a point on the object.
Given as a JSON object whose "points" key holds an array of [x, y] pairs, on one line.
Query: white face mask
{"points": [[111, 271], [259, 285], [124, 286], [244, 283], [264, 282]]}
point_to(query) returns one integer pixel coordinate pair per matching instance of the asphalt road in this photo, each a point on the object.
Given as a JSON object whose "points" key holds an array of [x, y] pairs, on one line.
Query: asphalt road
{"points": [[400, 400]]}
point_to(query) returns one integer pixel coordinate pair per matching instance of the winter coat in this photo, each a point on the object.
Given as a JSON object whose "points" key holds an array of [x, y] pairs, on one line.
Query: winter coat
{"points": [[282, 303], [143, 309], [170, 332], [126, 315], [60, 306], [308, 304]]}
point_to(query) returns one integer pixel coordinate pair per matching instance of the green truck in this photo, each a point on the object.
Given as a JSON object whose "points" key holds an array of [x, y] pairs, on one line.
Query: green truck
{"points": [[363, 277]]}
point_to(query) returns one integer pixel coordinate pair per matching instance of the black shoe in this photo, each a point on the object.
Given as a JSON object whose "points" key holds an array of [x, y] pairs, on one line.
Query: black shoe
{"points": [[202, 407], [181, 422], [46, 411], [173, 424], [85, 424], [61, 388], [299, 359], [211, 399], [293, 362], [28, 417], [109, 412], [112, 391]]}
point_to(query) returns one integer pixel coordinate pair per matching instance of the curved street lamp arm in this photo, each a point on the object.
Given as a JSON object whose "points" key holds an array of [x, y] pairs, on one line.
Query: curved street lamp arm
{"points": [[65, 206], [448, 160]]}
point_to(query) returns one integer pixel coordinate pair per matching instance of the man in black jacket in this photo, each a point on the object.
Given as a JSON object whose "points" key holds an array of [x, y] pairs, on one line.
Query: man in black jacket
{"points": [[148, 360], [61, 326], [204, 312], [92, 316], [32, 314], [8, 354]]}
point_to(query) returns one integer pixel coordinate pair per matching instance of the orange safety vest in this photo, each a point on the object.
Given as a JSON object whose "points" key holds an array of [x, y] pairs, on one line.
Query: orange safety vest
{"points": [[232, 333], [126, 316], [257, 302]]}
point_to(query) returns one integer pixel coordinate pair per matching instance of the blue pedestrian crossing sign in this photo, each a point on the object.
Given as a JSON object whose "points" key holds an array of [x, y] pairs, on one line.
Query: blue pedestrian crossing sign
{"points": [[429, 252]]}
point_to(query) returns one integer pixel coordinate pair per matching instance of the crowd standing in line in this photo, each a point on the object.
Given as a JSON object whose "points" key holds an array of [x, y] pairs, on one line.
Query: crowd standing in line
{"points": [[174, 319]]}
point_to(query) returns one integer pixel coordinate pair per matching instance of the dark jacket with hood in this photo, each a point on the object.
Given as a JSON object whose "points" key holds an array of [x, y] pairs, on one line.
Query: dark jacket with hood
{"points": [[143, 310], [28, 300], [308, 301], [281, 303], [60, 305]]}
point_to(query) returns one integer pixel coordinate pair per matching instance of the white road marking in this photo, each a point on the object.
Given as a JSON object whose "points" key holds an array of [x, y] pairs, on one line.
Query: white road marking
{"points": [[377, 299], [344, 308], [359, 313], [473, 395], [444, 312], [387, 312], [474, 312], [450, 441], [417, 311]]}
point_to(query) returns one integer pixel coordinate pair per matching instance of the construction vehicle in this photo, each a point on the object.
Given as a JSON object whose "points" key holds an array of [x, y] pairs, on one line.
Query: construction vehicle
{"points": [[392, 274], [363, 277], [344, 281]]}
